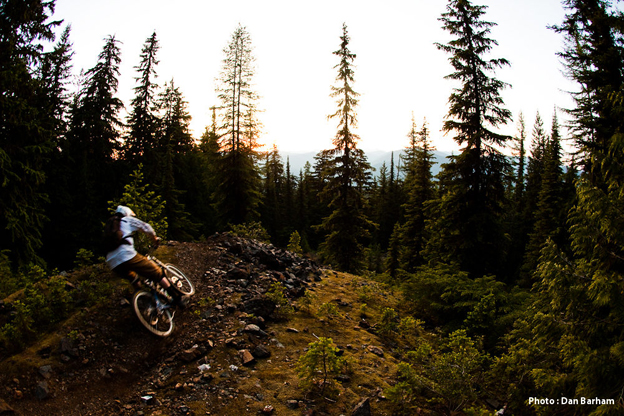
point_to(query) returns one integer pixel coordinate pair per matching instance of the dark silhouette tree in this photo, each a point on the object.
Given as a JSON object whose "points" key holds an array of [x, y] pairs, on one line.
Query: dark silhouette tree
{"points": [[348, 173], [238, 193], [27, 133], [419, 189], [475, 195], [174, 142], [143, 120], [93, 145]]}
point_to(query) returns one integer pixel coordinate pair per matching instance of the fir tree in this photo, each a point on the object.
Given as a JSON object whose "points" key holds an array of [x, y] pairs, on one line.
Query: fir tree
{"points": [[273, 207], [174, 141], [550, 214], [93, 144], [28, 128], [238, 193], [142, 120], [349, 172], [475, 194], [419, 189], [594, 59]]}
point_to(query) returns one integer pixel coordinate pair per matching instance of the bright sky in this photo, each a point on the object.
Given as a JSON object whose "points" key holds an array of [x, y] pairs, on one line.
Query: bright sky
{"points": [[398, 69]]}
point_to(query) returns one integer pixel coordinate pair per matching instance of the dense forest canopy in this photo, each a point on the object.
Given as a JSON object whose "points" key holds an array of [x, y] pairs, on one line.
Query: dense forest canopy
{"points": [[514, 243]]}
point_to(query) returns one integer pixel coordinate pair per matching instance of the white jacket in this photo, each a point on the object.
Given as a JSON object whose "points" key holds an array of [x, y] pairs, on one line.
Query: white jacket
{"points": [[125, 252]]}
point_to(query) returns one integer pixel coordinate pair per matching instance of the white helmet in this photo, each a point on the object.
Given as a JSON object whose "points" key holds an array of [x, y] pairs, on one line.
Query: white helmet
{"points": [[125, 211]]}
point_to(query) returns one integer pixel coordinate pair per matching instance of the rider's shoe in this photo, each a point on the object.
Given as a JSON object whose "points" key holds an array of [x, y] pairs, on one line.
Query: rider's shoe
{"points": [[179, 299]]}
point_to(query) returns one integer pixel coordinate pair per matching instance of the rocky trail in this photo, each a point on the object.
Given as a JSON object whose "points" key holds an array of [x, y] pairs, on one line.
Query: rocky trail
{"points": [[227, 355]]}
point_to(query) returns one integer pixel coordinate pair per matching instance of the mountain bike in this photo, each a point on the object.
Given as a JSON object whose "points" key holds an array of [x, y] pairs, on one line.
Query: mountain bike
{"points": [[152, 304]]}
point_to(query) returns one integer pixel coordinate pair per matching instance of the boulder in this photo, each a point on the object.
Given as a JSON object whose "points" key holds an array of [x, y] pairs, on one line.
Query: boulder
{"points": [[362, 409]]}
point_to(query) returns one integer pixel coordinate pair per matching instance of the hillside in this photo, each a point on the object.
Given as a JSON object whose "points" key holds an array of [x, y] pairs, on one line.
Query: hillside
{"points": [[101, 361]]}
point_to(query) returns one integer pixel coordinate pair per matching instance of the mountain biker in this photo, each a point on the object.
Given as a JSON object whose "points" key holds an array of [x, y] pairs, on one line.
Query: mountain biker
{"points": [[127, 263]]}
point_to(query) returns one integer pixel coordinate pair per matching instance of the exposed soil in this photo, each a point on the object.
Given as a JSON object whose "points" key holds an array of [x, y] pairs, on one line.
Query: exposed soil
{"points": [[227, 356]]}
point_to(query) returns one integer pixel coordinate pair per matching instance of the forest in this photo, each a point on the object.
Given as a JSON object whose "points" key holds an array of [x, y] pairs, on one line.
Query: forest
{"points": [[514, 250]]}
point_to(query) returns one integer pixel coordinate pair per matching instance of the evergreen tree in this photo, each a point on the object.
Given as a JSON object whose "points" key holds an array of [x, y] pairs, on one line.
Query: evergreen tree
{"points": [[475, 194], [55, 72], [27, 132], [142, 120], [349, 172], [516, 212], [550, 214], [174, 141], [145, 203], [207, 172], [570, 343], [93, 144], [594, 59], [238, 193], [419, 189], [273, 207]]}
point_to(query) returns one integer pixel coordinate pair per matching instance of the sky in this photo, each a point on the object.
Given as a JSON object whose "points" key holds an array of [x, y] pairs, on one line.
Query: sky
{"points": [[399, 72]]}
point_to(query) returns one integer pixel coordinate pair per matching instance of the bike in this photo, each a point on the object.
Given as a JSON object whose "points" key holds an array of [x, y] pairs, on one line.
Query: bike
{"points": [[152, 305]]}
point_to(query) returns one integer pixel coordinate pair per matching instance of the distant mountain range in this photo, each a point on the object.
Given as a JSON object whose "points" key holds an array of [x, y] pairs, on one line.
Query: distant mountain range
{"points": [[376, 158]]}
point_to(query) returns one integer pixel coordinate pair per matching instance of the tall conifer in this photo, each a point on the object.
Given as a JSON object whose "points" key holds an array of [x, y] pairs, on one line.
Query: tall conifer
{"points": [[349, 172], [238, 193], [475, 193]]}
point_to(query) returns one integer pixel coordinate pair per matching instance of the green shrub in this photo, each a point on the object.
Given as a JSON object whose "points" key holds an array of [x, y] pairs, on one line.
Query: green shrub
{"points": [[253, 230], [388, 323], [84, 258], [328, 310], [294, 244], [319, 365], [306, 300], [276, 294], [452, 373]]}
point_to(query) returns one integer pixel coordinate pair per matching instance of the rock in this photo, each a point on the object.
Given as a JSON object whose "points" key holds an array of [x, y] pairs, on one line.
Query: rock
{"points": [[190, 355], [293, 330], [246, 357], [362, 409], [44, 352], [42, 391], [268, 410], [255, 330], [292, 404], [45, 371], [375, 350], [5, 409], [236, 273], [67, 347], [260, 351], [260, 306]]}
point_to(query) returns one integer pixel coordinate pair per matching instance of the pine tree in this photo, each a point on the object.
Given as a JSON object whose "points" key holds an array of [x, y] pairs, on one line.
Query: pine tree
{"points": [[238, 193], [27, 132], [572, 337], [146, 204], [174, 141], [550, 213], [273, 197], [349, 172], [142, 120], [419, 189], [594, 59], [93, 144], [516, 212], [475, 193]]}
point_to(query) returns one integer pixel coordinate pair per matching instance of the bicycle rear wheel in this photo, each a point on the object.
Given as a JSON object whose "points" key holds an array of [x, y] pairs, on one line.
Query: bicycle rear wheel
{"points": [[157, 321], [179, 279]]}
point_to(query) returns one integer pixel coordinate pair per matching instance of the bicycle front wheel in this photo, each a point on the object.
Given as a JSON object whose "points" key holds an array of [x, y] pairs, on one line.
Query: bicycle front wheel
{"points": [[158, 321], [179, 279]]}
